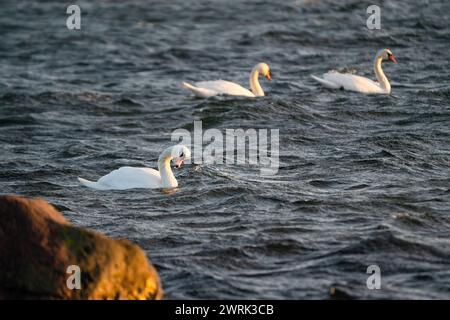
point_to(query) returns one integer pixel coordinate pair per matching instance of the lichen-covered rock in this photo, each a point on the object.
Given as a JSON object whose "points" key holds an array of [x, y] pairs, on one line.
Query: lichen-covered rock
{"points": [[37, 246]]}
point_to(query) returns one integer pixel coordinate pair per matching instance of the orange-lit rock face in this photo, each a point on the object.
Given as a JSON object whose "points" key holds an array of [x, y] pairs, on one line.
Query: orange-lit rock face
{"points": [[37, 245]]}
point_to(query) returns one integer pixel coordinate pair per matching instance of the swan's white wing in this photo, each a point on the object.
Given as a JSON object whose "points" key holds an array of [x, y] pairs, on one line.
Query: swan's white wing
{"points": [[222, 87], [127, 178], [325, 83], [352, 82], [201, 92]]}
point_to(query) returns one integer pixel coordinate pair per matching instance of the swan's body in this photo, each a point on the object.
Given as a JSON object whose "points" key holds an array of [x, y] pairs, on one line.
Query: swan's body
{"points": [[126, 178], [207, 89], [132, 178], [351, 82]]}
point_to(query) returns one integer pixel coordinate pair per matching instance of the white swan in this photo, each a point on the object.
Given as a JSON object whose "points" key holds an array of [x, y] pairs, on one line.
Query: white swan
{"points": [[207, 89], [130, 178], [351, 82]]}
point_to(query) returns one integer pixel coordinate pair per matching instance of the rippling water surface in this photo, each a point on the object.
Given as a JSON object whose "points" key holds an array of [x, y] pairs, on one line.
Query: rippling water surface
{"points": [[362, 180]]}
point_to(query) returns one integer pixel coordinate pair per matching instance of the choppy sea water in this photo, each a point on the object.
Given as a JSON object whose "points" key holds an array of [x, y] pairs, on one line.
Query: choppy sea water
{"points": [[362, 180]]}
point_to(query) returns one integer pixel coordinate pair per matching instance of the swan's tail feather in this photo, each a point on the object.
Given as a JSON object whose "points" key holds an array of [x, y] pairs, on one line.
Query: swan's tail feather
{"points": [[201, 92], [325, 83], [89, 184], [189, 86]]}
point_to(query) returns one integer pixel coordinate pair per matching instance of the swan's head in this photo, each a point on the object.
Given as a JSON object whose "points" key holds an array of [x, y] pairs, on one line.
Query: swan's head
{"points": [[179, 154], [386, 54], [263, 69]]}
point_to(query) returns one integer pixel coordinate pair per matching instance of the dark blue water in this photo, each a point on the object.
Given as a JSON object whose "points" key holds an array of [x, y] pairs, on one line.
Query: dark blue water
{"points": [[363, 179]]}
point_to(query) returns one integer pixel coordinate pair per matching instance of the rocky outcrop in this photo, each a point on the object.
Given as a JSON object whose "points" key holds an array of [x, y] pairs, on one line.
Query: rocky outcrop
{"points": [[38, 246]]}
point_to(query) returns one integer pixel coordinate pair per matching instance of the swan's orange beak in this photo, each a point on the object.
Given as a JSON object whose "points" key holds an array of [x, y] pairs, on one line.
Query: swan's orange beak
{"points": [[178, 163], [392, 58], [268, 76]]}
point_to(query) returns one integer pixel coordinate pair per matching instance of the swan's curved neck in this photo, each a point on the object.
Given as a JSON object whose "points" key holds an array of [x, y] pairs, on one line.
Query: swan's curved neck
{"points": [[167, 178], [254, 83], [381, 77]]}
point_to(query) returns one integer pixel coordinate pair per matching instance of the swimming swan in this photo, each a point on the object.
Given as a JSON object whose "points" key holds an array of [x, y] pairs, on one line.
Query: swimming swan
{"points": [[131, 178], [207, 89], [351, 82]]}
